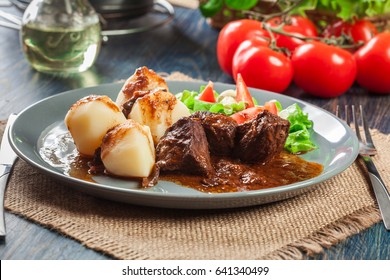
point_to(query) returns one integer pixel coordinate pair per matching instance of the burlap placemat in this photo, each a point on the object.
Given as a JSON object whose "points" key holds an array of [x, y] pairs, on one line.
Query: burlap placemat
{"points": [[336, 209]]}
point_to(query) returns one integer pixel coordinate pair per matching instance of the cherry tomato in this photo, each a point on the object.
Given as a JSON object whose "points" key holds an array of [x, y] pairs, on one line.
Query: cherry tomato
{"points": [[373, 64], [262, 67], [307, 27], [323, 70], [208, 93], [243, 92], [363, 30], [232, 35], [360, 30], [334, 29], [289, 42]]}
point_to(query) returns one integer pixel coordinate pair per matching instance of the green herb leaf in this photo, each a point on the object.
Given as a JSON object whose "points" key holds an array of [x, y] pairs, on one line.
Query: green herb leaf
{"points": [[211, 7], [241, 4], [344, 9]]}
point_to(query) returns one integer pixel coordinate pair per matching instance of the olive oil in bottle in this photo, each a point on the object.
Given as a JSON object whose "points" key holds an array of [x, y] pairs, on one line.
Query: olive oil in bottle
{"points": [[61, 49], [60, 36]]}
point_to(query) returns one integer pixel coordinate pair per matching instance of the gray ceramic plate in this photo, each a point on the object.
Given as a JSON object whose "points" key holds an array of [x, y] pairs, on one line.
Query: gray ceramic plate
{"points": [[338, 148]]}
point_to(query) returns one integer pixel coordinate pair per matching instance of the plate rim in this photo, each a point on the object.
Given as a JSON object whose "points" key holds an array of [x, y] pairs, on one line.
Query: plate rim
{"points": [[209, 196]]}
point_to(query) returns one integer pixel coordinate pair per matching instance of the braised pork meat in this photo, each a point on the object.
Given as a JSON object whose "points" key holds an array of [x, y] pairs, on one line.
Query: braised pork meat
{"points": [[196, 144], [184, 148], [220, 131], [259, 140]]}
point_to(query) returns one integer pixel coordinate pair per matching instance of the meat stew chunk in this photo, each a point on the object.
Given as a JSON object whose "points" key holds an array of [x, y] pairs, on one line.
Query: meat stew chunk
{"points": [[220, 131], [184, 148], [259, 140], [188, 144]]}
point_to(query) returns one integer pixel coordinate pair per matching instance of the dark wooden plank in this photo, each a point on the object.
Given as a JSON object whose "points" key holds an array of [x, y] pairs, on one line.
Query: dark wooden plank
{"points": [[28, 241], [186, 45], [371, 244]]}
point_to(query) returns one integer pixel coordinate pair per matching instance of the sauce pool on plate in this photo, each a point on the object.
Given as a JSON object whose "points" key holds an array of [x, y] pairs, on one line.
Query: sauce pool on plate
{"points": [[230, 175]]}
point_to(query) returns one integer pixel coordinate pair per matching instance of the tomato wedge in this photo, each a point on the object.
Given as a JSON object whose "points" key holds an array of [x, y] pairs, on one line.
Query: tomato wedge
{"points": [[271, 107], [243, 92], [247, 114], [207, 94]]}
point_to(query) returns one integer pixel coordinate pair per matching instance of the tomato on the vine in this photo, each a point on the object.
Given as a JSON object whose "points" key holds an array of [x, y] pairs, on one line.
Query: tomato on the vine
{"points": [[373, 64], [360, 30], [306, 26], [261, 67], [287, 41], [295, 26], [363, 30], [323, 70], [232, 35]]}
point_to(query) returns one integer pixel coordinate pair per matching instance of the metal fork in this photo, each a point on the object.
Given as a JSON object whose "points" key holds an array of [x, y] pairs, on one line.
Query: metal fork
{"points": [[366, 150]]}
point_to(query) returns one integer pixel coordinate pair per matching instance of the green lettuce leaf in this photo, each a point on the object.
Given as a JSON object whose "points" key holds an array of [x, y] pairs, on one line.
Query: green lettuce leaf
{"points": [[299, 137], [190, 99]]}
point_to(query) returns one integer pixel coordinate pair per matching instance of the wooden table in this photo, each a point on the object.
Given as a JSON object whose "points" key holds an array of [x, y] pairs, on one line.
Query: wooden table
{"points": [[187, 45]]}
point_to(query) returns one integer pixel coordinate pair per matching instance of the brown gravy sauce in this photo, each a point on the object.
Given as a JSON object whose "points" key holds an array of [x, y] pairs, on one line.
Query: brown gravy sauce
{"points": [[231, 175]]}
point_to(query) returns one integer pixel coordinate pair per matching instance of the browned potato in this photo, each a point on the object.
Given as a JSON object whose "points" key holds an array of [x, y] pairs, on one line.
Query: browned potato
{"points": [[127, 150], [140, 83], [89, 119], [158, 110]]}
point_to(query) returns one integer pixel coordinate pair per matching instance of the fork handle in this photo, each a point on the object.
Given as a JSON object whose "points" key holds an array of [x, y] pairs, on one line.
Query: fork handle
{"points": [[381, 193], [3, 186]]}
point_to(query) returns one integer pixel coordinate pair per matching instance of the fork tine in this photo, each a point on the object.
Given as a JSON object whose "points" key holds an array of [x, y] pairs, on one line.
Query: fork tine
{"points": [[338, 111], [341, 116], [366, 129], [347, 119], [355, 121]]}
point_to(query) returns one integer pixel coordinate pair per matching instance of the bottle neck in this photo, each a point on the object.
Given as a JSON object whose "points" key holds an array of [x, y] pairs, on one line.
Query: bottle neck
{"points": [[60, 13]]}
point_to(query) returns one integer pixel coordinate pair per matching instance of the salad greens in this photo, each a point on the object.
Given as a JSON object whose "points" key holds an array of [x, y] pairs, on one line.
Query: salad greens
{"points": [[190, 99], [299, 138]]}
